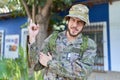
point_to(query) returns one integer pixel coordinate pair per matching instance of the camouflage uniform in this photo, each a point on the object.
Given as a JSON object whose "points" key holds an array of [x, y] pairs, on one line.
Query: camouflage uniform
{"points": [[67, 62]]}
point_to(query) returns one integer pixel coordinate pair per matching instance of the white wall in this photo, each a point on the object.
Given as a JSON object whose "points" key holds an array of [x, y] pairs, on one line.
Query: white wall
{"points": [[1, 43], [114, 16], [24, 33]]}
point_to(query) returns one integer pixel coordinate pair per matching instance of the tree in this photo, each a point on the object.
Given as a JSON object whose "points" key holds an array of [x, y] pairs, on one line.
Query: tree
{"points": [[42, 13], [45, 13]]}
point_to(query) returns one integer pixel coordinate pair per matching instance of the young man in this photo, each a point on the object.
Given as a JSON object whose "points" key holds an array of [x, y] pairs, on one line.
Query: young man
{"points": [[73, 56]]}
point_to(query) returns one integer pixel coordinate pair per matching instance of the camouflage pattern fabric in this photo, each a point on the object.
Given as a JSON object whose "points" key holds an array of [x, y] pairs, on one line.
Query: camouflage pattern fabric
{"points": [[67, 63]]}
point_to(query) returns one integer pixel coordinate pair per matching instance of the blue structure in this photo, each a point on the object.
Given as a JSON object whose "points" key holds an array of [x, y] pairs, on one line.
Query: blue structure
{"points": [[101, 13], [97, 13], [11, 26]]}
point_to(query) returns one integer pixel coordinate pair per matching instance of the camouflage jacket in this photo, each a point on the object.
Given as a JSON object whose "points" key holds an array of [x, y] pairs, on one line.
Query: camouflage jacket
{"points": [[67, 62]]}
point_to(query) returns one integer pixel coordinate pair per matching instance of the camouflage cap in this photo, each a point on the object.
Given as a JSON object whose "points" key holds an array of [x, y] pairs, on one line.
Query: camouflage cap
{"points": [[80, 11]]}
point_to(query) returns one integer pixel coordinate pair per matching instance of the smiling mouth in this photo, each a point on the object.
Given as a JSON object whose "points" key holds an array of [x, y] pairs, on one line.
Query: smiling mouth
{"points": [[74, 30]]}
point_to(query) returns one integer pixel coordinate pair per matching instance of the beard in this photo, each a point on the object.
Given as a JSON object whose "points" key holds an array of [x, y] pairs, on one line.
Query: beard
{"points": [[74, 35]]}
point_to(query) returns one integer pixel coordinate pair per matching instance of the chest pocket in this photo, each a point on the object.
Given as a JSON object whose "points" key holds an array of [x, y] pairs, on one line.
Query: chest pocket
{"points": [[83, 47]]}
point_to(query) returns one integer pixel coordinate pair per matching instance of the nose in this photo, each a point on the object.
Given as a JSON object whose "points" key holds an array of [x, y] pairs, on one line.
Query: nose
{"points": [[75, 23]]}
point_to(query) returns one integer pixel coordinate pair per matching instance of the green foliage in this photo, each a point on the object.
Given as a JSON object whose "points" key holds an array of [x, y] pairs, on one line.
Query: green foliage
{"points": [[3, 2], [22, 62], [24, 25], [11, 5], [84, 45], [59, 7], [52, 41], [38, 75], [17, 69], [9, 70], [14, 69]]}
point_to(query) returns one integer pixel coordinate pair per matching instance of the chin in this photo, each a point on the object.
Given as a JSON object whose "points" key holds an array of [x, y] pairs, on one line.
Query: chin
{"points": [[74, 35]]}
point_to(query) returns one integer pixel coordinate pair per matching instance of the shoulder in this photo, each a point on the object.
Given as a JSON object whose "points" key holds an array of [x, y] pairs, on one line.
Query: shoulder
{"points": [[91, 43], [53, 35], [47, 39]]}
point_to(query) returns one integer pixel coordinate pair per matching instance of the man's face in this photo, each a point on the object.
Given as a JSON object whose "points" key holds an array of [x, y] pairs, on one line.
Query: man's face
{"points": [[75, 26]]}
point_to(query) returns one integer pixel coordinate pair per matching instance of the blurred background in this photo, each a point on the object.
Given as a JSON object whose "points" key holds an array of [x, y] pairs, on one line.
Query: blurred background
{"points": [[104, 28]]}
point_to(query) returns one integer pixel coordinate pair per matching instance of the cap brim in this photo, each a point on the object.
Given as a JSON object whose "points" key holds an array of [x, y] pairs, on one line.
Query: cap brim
{"points": [[80, 17]]}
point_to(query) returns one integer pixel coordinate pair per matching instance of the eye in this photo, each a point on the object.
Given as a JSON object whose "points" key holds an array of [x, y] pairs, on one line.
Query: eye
{"points": [[80, 22], [72, 19]]}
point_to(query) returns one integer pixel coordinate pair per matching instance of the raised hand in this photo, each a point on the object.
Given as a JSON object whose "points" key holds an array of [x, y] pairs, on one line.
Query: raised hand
{"points": [[33, 30]]}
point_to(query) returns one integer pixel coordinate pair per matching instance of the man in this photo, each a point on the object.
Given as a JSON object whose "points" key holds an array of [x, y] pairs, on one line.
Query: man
{"points": [[68, 61]]}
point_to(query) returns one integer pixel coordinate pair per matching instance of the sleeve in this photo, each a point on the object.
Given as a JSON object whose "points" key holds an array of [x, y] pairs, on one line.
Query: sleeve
{"points": [[36, 47], [33, 48], [44, 49], [32, 53], [81, 67]]}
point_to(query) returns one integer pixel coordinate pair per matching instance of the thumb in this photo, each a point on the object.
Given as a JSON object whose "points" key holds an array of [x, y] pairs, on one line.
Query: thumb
{"points": [[50, 56]]}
